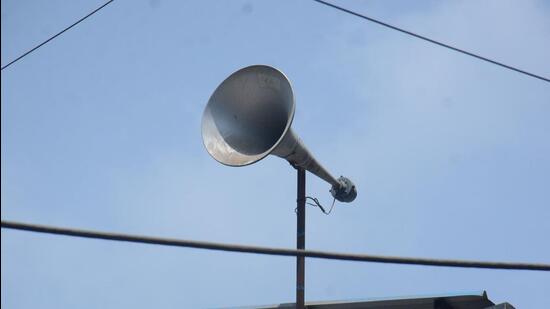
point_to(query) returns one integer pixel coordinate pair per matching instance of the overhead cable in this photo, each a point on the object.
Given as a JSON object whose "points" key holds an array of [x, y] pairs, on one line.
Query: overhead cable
{"points": [[418, 36], [58, 34], [268, 250]]}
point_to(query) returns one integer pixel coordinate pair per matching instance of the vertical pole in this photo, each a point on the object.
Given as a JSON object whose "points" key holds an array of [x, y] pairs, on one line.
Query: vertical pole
{"points": [[301, 238]]}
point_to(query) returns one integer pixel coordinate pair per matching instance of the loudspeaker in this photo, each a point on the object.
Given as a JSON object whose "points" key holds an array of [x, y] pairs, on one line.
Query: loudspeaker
{"points": [[249, 116]]}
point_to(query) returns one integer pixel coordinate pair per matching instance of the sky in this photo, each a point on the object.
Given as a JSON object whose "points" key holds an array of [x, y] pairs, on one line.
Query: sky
{"points": [[100, 129]]}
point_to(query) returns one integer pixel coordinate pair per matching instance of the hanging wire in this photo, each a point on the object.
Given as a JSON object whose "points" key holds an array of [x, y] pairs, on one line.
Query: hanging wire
{"points": [[318, 204], [268, 250], [56, 35], [418, 36]]}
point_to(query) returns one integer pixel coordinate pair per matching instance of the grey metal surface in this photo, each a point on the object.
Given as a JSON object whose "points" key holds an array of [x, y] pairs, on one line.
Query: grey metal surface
{"points": [[467, 301], [502, 306], [294, 151], [345, 192], [249, 117]]}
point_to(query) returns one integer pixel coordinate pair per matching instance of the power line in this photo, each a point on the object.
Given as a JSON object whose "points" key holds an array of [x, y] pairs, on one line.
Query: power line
{"points": [[58, 34], [268, 250], [418, 36]]}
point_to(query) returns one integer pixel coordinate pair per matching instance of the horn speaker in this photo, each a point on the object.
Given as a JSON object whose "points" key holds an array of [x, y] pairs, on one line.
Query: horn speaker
{"points": [[249, 116]]}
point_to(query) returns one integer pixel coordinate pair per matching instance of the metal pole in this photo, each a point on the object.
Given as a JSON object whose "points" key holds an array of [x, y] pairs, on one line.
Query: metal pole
{"points": [[301, 238]]}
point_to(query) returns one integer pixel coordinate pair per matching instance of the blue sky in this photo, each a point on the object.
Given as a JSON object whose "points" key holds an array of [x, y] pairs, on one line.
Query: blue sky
{"points": [[101, 130]]}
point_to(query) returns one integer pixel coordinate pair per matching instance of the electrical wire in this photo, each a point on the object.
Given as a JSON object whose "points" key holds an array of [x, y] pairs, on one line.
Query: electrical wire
{"points": [[418, 36], [58, 34], [269, 250], [329, 5], [318, 204]]}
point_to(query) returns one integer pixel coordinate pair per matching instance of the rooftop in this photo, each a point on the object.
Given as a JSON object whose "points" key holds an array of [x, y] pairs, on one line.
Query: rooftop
{"points": [[449, 301]]}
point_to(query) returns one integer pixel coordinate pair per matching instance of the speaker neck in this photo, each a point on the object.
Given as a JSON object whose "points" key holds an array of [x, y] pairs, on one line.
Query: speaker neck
{"points": [[295, 152]]}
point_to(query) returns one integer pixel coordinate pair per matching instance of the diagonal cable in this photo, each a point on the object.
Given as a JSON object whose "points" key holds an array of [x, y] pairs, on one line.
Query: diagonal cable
{"points": [[268, 250], [58, 34], [418, 36]]}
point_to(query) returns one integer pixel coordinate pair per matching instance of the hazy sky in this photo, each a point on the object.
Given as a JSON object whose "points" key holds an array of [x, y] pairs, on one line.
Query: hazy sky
{"points": [[101, 130]]}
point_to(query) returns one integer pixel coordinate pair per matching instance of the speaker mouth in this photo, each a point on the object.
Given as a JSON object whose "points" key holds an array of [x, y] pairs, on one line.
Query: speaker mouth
{"points": [[248, 115]]}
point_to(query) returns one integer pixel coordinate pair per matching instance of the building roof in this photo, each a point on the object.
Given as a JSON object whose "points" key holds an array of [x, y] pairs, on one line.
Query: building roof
{"points": [[448, 301]]}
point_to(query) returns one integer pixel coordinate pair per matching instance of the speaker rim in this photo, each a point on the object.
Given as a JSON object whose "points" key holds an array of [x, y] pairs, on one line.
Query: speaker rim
{"points": [[261, 156]]}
